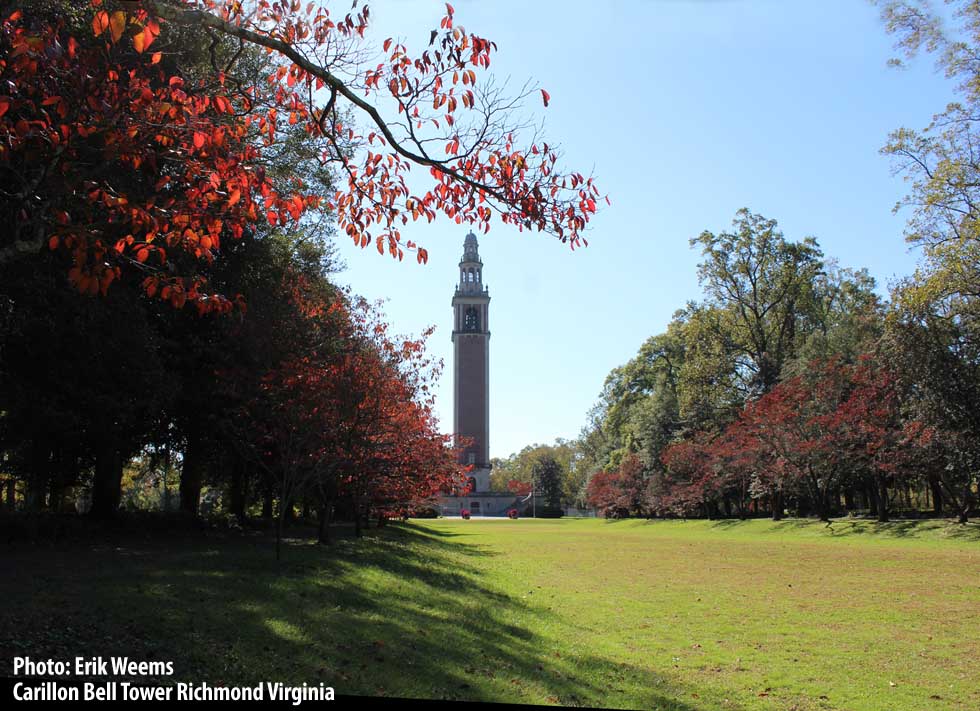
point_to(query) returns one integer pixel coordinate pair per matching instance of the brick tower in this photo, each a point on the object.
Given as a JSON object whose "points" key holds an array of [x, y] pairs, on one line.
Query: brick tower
{"points": [[471, 370]]}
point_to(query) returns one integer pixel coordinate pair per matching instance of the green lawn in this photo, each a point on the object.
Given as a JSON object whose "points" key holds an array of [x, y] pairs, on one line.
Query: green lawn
{"points": [[632, 614]]}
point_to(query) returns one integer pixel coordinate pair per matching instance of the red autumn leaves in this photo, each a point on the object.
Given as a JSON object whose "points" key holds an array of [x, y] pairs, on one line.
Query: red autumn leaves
{"points": [[178, 163], [805, 436], [358, 423]]}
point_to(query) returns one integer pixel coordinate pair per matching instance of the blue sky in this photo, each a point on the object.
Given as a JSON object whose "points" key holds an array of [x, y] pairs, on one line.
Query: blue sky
{"points": [[686, 111]]}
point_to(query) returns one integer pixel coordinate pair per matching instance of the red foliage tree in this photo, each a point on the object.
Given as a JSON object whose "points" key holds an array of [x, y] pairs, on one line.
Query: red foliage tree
{"points": [[124, 163], [356, 424], [691, 482], [875, 433], [621, 493], [632, 485], [795, 432], [805, 437], [604, 494]]}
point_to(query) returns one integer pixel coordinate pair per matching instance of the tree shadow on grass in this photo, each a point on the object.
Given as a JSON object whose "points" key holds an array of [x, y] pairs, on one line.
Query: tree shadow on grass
{"points": [[402, 612], [907, 529], [726, 523]]}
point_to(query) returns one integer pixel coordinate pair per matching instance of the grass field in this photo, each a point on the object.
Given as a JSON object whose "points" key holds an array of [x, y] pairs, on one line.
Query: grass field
{"points": [[632, 614]]}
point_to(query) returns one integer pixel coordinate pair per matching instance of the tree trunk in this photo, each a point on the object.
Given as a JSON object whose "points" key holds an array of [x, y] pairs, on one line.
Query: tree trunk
{"points": [[777, 505], [823, 506], [803, 508], [966, 505], [40, 474], [325, 516], [267, 501], [65, 475], [107, 487], [872, 494], [279, 536], [56, 494], [849, 500], [191, 475], [882, 500], [712, 507], [237, 493], [937, 496]]}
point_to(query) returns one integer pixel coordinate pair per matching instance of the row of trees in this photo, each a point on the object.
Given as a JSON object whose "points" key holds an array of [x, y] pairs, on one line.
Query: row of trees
{"points": [[792, 384], [552, 469], [171, 173]]}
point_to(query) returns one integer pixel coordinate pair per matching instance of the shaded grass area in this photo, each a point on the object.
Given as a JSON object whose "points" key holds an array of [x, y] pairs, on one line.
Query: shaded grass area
{"points": [[632, 614]]}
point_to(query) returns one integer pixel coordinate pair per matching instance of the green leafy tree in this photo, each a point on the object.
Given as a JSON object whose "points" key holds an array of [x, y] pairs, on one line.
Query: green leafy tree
{"points": [[763, 284], [547, 475], [847, 318], [939, 162], [519, 467], [939, 362]]}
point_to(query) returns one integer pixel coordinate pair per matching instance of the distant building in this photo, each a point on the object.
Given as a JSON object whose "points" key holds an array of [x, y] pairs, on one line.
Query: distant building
{"points": [[471, 388]]}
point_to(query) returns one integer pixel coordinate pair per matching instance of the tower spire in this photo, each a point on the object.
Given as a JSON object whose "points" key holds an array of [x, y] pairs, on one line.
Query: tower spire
{"points": [[470, 266]]}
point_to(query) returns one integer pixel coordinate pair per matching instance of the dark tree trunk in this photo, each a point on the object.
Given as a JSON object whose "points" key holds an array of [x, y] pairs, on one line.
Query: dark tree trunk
{"points": [[325, 517], [237, 493], [279, 536], [849, 500], [712, 507], [823, 506], [872, 495], [56, 494], [777, 505], [802, 507], [37, 481], [267, 502], [966, 505], [192, 475], [882, 500], [937, 496], [63, 476], [107, 487]]}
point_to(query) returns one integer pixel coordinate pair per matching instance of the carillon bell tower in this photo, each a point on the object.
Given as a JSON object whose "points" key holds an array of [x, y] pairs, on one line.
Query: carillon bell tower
{"points": [[471, 371]]}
